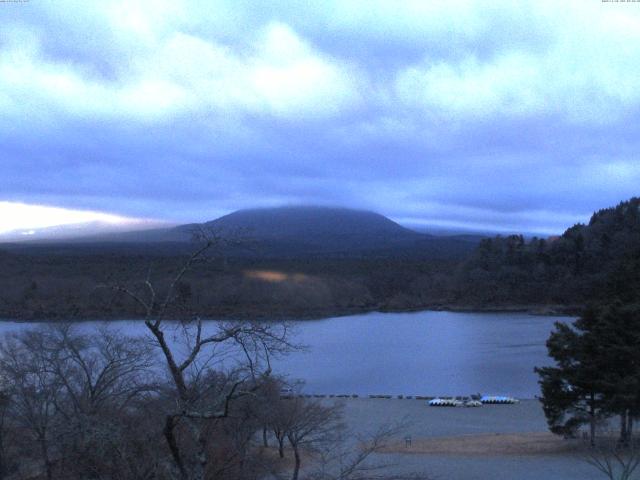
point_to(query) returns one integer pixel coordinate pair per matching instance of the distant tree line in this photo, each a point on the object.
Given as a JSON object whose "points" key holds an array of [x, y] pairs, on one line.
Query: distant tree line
{"points": [[599, 261], [597, 359]]}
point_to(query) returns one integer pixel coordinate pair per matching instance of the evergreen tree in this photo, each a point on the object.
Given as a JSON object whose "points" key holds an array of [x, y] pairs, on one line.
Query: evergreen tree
{"points": [[597, 372], [572, 391], [618, 330]]}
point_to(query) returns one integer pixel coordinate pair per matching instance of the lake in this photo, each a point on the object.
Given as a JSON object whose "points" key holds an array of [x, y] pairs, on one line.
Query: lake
{"points": [[418, 353]]}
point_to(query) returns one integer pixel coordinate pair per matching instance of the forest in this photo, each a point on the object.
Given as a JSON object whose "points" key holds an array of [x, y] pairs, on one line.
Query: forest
{"points": [[555, 274]]}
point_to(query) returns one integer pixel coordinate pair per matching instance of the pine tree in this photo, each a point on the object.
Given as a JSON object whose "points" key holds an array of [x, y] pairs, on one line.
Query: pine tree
{"points": [[618, 330], [572, 391], [597, 372]]}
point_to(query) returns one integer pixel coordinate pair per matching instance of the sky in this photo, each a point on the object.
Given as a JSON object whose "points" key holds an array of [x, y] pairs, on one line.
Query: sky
{"points": [[500, 115]]}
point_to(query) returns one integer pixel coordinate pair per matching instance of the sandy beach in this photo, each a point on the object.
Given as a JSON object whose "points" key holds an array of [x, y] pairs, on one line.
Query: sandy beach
{"points": [[507, 442], [533, 443]]}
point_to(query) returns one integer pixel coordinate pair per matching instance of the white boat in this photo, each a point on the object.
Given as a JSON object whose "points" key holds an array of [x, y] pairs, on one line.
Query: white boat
{"points": [[445, 402], [498, 400]]}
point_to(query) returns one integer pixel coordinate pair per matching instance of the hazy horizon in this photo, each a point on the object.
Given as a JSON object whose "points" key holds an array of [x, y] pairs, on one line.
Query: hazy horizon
{"points": [[107, 224]]}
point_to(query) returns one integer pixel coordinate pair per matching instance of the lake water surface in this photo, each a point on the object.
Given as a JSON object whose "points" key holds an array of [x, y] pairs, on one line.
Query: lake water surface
{"points": [[418, 353]]}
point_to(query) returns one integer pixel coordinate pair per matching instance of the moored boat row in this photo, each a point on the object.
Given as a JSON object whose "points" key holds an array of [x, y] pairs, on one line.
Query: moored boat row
{"points": [[475, 401]]}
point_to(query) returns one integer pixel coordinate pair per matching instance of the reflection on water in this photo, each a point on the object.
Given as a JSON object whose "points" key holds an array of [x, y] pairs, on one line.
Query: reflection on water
{"points": [[418, 353]]}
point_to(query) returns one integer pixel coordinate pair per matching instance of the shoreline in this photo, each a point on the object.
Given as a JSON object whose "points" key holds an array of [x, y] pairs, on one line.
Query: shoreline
{"points": [[493, 441], [542, 310], [374, 396], [490, 444]]}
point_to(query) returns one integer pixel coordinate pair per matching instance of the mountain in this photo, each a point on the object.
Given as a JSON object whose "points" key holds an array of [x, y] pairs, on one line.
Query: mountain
{"points": [[310, 223], [311, 231], [299, 231], [289, 232]]}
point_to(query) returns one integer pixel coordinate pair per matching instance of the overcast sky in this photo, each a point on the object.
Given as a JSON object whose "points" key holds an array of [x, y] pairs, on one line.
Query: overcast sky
{"points": [[503, 115]]}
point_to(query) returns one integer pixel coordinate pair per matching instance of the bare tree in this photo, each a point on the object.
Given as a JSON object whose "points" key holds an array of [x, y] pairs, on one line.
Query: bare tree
{"points": [[307, 426], [352, 457], [266, 406], [103, 371], [613, 459], [33, 391], [105, 377], [74, 393], [4, 404], [188, 362]]}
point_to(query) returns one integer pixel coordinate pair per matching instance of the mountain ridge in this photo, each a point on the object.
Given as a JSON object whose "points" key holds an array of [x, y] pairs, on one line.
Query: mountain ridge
{"points": [[286, 231]]}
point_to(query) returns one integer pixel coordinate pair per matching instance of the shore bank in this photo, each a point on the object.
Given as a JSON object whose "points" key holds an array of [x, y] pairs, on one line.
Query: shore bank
{"points": [[533, 443], [503, 442], [244, 315]]}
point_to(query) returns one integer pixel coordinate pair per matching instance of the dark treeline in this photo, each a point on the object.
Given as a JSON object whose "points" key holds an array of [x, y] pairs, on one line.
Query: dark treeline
{"points": [[596, 262], [596, 375], [66, 287], [599, 260]]}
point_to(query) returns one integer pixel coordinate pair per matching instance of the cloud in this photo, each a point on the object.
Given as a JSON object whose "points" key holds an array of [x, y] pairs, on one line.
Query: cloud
{"points": [[281, 75], [20, 216], [507, 86], [583, 73], [467, 111], [277, 74]]}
